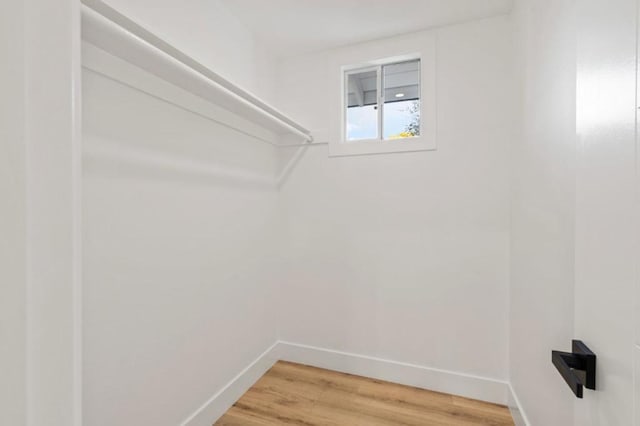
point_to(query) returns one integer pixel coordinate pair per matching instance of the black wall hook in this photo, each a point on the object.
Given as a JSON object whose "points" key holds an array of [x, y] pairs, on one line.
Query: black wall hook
{"points": [[578, 367]]}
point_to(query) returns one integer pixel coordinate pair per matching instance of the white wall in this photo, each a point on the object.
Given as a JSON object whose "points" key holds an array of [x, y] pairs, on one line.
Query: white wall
{"points": [[13, 388], [178, 294], [207, 31], [543, 212], [405, 256], [53, 212], [39, 42]]}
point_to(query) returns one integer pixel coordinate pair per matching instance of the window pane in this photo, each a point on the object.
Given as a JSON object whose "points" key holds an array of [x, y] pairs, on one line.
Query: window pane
{"points": [[401, 110], [362, 109], [401, 119]]}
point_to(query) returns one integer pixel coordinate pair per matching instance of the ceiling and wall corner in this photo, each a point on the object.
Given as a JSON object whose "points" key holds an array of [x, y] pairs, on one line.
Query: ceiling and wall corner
{"points": [[212, 34], [291, 27]]}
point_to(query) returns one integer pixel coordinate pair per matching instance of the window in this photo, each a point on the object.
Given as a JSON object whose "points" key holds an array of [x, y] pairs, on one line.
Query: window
{"points": [[382, 97], [382, 102]]}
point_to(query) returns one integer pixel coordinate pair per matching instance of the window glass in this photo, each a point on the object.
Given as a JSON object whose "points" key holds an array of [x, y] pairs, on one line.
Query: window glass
{"points": [[392, 116], [401, 110], [362, 116]]}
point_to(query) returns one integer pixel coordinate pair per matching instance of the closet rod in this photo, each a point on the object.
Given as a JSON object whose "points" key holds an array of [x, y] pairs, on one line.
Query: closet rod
{"points": [[112, 31]]}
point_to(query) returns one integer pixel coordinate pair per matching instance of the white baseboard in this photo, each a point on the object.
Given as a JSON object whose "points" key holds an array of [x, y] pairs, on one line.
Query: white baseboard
{"points": [[470, 386], [517, 412], [219, 403]]}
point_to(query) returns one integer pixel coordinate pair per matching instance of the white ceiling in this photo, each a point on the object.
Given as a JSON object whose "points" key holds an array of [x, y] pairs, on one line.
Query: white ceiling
{"points": [[292, 27]]}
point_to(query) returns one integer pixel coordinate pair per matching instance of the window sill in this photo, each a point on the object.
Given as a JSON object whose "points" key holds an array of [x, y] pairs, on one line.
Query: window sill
{"points": [[369, 147]]}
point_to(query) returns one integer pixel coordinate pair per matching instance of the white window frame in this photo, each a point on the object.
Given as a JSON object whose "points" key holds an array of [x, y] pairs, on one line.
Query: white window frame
{"points": [[358, 58]]}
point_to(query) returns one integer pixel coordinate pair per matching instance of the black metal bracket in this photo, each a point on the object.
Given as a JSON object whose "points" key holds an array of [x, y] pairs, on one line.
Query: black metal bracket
{"points": [[578, 367]]}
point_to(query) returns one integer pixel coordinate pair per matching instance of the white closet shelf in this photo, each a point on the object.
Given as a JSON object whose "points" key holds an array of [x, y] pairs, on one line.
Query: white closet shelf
{"points": [[118, 36]]}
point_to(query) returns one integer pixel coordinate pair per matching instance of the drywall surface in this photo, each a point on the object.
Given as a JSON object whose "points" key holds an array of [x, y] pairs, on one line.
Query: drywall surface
{"points": [[13, 289], [543, 214], [179, 223], [405, 256], [207, 31], [39, 279], [177, 294], [606, 205]]}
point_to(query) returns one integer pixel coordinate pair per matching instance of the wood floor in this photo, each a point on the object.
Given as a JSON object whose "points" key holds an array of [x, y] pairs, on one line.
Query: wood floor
{"points": [[294, 394]]}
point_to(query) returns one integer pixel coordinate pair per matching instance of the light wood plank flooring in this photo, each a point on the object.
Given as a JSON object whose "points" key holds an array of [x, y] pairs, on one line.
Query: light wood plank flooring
{"points": [[294, 394]]}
